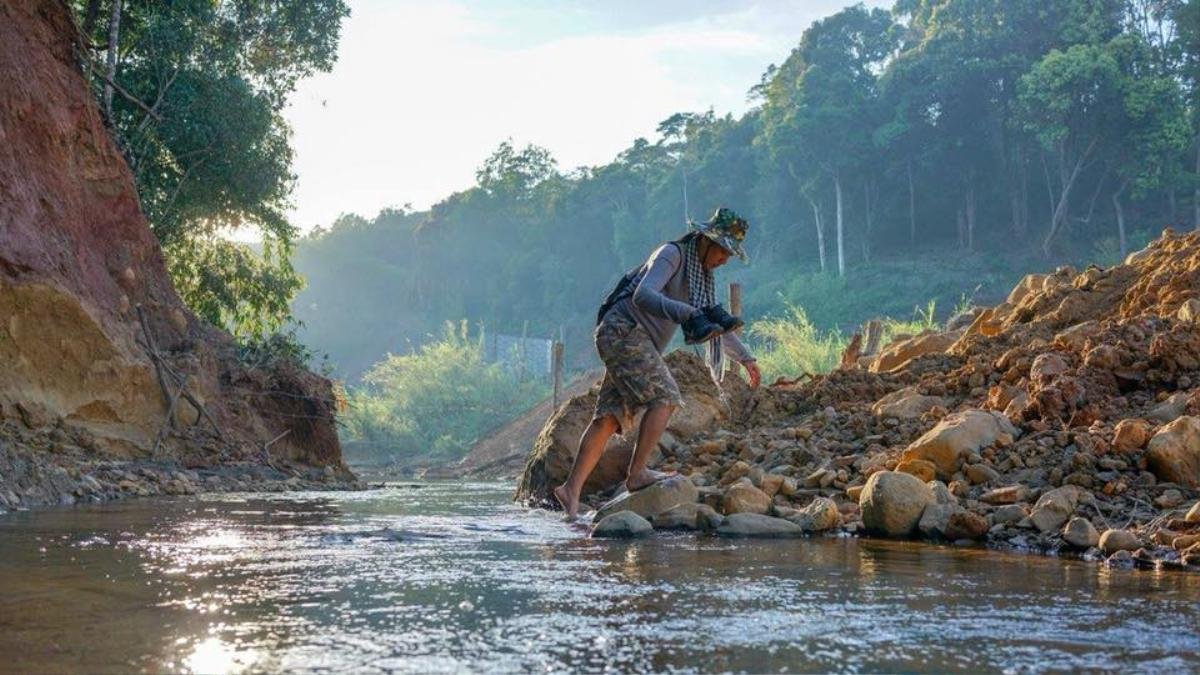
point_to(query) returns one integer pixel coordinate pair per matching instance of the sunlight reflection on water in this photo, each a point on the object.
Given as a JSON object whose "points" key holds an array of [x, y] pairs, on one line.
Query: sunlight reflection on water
{"points": [[443, 577]]}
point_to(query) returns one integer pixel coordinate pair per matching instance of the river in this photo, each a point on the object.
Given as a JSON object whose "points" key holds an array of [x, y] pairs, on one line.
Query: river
{"points": [[433, 577]]}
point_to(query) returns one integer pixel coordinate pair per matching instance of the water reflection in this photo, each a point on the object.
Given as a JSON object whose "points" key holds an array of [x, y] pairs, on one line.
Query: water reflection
{"points": [[450, 578]]}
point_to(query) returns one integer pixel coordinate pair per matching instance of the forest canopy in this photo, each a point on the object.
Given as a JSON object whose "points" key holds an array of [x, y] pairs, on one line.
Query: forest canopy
{"points": [[892, 157]]}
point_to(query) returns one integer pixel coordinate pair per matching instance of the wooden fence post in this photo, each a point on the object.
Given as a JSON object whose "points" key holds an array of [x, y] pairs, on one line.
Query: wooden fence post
{"points": [[556, 367], [874, 333]]}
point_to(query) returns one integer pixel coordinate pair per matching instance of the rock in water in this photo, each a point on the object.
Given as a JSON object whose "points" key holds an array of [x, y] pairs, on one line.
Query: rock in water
{"points": [[621, 525], [1054, 508], [1174, 452], [653, 500], [935, 518], [683, 517], [1118, 540], [820, 515], [964, 524], [892, 503], [957, 435], [1080, 533], [742, 498], [758, 525]]}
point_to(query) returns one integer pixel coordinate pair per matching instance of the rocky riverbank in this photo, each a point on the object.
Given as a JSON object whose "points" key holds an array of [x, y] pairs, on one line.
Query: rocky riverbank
{"points": [[1062, 421], [71, 476]]}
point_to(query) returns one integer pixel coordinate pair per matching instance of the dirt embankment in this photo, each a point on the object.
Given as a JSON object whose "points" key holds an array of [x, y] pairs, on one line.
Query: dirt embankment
{"points": [[1065, 419], [80, 396]]}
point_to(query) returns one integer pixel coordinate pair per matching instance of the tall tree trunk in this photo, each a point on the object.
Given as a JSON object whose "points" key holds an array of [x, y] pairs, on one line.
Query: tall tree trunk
{"points": [[912, 205], [866, 242], [816, 209], [110, 65], [1087, 220], [1116, 200], [1017, 195], [837, 190], [1060, 210]]}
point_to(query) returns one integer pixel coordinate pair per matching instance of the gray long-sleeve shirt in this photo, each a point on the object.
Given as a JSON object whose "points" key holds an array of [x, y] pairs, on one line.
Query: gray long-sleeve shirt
{"points": [[660, 303]]}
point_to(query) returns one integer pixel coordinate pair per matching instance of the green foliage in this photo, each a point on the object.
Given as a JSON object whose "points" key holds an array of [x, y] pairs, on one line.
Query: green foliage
{"points": [[201, 129], [789, 345], [431, 404], [943, 146], [231, 285]]}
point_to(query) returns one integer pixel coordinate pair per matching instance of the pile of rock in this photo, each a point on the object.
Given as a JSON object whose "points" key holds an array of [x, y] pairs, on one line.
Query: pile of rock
{"points": [[742, 510], [1064, 420]]}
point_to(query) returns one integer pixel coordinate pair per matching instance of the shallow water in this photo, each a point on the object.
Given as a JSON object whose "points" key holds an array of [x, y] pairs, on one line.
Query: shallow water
{"points": [[449, 577]]}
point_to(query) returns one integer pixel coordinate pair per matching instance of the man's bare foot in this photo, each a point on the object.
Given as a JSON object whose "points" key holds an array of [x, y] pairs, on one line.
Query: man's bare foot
{"points": [[646, 478], [569, 502]]}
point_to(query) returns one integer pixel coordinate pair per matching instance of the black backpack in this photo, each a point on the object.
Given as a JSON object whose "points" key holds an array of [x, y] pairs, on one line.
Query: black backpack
{"points": [[622, 290]]}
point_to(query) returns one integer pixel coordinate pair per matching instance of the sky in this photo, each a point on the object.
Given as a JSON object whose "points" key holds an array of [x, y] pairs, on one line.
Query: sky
{"points": [[424, 90]]}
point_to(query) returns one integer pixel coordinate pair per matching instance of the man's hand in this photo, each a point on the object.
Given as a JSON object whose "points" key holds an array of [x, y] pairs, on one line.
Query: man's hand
{"points": [[752, 372]]}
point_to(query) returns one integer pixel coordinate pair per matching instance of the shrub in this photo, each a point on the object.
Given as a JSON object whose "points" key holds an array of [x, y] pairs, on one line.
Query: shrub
{"points": [[790, 344], [432, 404]]}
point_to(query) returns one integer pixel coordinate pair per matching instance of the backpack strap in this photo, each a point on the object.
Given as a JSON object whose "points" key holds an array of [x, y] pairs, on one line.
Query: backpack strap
{"points": [[625, 287]]}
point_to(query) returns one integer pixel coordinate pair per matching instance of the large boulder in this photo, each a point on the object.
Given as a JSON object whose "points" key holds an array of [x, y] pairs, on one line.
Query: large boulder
{"points": [[688, 516], [905, 403], [758, 525], [957, 435], [1174, 452], [1118, 540], [555, 448], [652, 500], [1080, 533], [892, 503], [897, 355], [951, 522], [1054, 508], [819, 515], [1130, 434], [743, 498], [622, 525]]}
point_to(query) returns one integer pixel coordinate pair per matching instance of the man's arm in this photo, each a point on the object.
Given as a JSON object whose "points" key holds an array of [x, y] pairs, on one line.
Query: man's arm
{"points": [[648, 296], [734, 349]]}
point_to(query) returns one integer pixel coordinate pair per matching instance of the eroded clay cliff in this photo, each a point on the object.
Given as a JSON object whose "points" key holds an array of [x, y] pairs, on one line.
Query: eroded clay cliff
{"points": [[77, 261]]}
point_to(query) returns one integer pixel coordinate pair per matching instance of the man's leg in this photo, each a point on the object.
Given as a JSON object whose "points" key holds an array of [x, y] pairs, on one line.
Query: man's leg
{"points": [[591, 446], [654, 423]]}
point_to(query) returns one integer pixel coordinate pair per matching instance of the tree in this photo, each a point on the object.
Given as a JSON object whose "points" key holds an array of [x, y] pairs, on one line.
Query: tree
{"points": [[1071, 101], [819, 114], [202, 84]]}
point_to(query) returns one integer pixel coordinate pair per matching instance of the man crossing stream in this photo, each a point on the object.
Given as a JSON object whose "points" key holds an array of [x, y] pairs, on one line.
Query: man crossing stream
{"points": [[674, 287]]}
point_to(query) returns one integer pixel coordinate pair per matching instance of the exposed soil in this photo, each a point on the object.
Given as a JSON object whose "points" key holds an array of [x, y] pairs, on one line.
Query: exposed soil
{"points": [[77, 260]]}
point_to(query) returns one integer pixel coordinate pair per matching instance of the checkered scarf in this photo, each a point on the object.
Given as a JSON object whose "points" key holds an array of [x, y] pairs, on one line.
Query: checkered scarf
{"points": [[702, 292]]}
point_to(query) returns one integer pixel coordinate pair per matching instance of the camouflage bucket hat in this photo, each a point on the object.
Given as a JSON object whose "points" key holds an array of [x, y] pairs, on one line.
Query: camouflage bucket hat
{"points": [[726, 228]]}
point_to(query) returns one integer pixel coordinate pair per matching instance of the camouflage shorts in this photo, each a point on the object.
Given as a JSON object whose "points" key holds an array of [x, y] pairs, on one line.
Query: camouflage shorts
{"points": [[635, 375]]}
